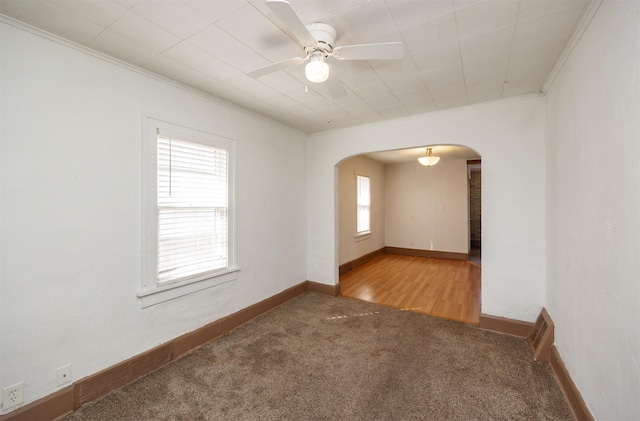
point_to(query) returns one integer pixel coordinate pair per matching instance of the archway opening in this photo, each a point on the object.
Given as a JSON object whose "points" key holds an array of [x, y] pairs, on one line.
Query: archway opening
{"points": [[415, 251]]}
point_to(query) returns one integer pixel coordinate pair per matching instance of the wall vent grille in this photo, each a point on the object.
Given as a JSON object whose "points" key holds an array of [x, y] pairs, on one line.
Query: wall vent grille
{"points": [[541, 337]]}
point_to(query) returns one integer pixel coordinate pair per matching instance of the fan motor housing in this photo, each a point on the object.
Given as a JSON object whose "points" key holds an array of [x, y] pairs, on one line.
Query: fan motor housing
{"points": [[324, 35]]}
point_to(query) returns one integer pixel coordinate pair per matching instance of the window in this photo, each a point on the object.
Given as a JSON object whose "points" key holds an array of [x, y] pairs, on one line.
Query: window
{"points": [[188, 233], [364, 204]]}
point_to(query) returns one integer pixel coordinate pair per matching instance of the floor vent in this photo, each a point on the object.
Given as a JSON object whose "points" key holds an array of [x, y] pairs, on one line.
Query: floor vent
{"points": [[540, 338]]}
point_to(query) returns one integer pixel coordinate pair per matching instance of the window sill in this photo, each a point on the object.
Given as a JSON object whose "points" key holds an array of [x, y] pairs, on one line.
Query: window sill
{"points": [[362, 236], [168, 292]]}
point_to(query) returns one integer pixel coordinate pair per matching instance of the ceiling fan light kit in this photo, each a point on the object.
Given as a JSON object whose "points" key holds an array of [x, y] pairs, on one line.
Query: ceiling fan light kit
{"points": [[318, 41], [317, 71]]}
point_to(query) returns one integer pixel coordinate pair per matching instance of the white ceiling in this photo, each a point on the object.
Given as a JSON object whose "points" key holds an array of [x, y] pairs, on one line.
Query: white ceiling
{"points": [[458, 52]]}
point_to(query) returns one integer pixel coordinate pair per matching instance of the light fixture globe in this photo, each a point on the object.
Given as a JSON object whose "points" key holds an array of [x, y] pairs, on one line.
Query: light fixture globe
{"points": [[429, 160], [317, 71]]}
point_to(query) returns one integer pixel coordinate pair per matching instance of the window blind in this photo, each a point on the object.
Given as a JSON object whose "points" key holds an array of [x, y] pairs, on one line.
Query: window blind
{"points": [[192, 209], [364, 203]]}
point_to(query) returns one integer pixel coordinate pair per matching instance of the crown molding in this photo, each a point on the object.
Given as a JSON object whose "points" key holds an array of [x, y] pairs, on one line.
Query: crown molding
{"points": [[581, 27]]}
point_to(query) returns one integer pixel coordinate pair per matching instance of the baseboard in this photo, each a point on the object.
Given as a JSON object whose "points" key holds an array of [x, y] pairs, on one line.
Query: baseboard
{"points": [[572, 395], [506, 326], [427, 253], [333, 290], [346, 267], [52, 407], [87, 389]]}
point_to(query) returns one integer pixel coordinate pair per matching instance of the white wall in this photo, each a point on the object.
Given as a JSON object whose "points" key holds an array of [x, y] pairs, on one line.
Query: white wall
{"points": [[509, 136], [351, 247], [71, 140], [427, 208], [593, 212]]}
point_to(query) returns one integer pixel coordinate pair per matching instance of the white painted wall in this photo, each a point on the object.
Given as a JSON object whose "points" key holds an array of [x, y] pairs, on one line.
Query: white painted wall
{"points": [[351, 247], [509, 136], [71, 140], [593, 212], [427, 208]]}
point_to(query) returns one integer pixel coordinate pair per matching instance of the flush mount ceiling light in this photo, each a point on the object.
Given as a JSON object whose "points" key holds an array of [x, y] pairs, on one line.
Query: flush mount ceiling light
{"points": [[317, 71], [428, 160]]}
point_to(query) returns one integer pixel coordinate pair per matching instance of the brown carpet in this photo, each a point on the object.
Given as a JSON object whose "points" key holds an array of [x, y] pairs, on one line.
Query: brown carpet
{"points": [[322, 358]]}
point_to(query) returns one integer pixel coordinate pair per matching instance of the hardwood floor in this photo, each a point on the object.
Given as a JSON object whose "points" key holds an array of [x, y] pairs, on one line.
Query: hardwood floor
{"points": [[439, 287]]}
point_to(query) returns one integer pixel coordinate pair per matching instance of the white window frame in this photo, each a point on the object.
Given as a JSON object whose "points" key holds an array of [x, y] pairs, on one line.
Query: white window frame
{"points": [[362, 234], [151, 292]]}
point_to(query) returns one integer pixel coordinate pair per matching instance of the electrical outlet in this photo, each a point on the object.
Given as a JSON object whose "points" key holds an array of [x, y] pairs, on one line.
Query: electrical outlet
{"points": [[63, 375], [12, 395]]}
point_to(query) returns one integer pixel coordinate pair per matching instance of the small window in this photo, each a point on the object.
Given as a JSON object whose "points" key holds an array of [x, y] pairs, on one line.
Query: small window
{"points": [[364, 204], [188, 235]]}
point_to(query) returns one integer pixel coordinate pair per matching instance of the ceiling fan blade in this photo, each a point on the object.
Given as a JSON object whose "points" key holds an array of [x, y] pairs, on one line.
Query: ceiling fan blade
{"points": [[334, 85], [285, 12], [274, 67], [384, 51]]}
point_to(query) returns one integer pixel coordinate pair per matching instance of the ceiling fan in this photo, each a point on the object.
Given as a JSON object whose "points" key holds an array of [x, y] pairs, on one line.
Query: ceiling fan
{"points": [[317, 40]]}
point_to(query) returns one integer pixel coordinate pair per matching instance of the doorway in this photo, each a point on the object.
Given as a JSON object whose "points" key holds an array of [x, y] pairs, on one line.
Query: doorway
{"points": [[416, 256]]}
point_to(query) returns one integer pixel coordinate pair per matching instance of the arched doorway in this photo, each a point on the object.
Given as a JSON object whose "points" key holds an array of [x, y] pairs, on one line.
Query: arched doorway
{"points": [[415, 253]]}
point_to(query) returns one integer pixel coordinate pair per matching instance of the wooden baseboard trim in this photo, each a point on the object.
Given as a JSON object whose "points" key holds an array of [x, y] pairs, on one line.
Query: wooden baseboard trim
{"points": [[427, 253], [577, 405], [332, 290], [65, 401], [52, 407], [507, 326], [346, 267]]}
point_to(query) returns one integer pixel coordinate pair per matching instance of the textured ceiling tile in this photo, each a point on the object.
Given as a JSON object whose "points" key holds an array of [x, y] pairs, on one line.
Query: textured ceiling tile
{"points": [[421, 107], [408, 13], [431, 34], [192, 56], [522, 87], [175, 17], [409, 83], [541, 52], [127, 4], [360, 79], [555, 26], [58, 21], [477, 80], [120, 47], [139, 29], [531, 9], [450, 101], [419, 96], [447, 89], [124, 49], [281, 81], [220, 44], [492, 43], [253, 29], [103, 13], [443, 75], [445, 55], [365, 23], [486, 65], [484, 93], [170, 68], [213, 11], [12, 8], [393, 69], [486, 16], [372, 92]]}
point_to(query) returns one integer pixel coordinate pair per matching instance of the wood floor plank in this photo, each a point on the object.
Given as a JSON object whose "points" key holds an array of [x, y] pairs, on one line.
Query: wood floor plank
{"points": [[439, 287]]}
